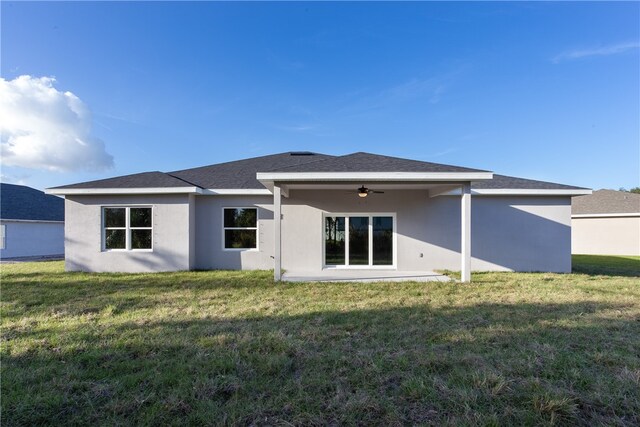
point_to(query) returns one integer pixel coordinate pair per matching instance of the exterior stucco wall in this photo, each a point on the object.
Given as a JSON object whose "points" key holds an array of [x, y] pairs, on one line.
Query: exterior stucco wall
{"points": [[606, 236], [192, 232], [210, 253], [521, 234], [171, 231], [32, 238], [508, 233], [302, 227]]}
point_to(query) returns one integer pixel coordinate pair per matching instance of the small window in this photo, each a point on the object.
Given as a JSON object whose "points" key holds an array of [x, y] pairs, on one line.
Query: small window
{"points": [[127, 228], [240, 228], [3, 236]]}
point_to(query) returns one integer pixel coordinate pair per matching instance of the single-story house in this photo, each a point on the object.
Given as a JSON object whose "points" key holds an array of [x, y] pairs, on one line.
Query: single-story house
{"points": [[606, 222], [307, 213], [31, 222]]}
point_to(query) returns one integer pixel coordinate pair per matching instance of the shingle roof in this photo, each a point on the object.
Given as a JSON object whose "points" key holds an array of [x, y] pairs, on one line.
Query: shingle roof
{"points": [[367, 162], [26, 203], [138, 180], [606, 202], [504, 181], [241, 174]]}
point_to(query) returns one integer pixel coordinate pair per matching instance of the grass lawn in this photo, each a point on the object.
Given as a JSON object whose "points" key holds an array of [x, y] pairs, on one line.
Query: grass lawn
{"points": [[608, 265], [209, 348]]}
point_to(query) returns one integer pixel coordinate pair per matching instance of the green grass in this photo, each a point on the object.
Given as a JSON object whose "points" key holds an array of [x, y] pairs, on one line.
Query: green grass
{"points": [[210, 348], [607, 264]]}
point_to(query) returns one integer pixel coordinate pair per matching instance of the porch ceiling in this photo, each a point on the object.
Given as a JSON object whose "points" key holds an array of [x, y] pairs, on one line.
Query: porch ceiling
{"points": [[433, 188], [377, 185]]}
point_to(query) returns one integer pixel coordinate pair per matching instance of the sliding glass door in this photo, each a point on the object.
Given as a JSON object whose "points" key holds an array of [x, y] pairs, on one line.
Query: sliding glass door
{"points": [[334, 240], [382, 229], [359, 240]]}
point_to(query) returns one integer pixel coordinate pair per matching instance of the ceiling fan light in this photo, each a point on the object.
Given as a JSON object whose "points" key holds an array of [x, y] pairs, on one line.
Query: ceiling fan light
{"points": [[363, 193]]}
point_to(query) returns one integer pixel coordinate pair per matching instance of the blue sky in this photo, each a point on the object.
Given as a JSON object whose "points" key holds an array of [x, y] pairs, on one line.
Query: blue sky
{"points": [[539, 90]]}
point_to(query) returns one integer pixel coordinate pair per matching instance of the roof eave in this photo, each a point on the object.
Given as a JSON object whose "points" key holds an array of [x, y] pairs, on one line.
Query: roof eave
{"points": [[606, 215], [524, 192], [122, 191], [267, 178], [56, 221]]}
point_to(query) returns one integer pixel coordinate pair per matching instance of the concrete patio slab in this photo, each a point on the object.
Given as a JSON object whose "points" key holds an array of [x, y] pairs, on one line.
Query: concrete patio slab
{"points": [[335, 275]]}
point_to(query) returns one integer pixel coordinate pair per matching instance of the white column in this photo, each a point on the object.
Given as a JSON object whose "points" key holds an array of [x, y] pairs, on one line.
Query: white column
{"points": [[277, 226], [465, 234]]}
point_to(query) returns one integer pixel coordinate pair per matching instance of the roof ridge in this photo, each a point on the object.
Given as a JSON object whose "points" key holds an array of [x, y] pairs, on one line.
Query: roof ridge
{"points": [[242, 160], [181, 179], [540, 180], [626, 193], [415, 160], [329, 157], [344, 158], [17, 185]]}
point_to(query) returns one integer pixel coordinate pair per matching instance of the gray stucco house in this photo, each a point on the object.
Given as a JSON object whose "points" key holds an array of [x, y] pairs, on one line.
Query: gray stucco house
{"points": [[31, 223], [309, 213]]}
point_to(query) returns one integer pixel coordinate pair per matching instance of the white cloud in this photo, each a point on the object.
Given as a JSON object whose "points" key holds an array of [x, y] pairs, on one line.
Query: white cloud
{"points": [[596, 51], [44, 128]]}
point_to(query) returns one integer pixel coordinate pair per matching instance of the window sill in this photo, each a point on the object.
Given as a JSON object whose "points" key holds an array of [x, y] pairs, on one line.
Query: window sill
{"points": [[359, 267]]}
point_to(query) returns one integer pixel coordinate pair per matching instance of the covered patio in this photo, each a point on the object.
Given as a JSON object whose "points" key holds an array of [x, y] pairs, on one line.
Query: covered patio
{"points": [[433, 185]]}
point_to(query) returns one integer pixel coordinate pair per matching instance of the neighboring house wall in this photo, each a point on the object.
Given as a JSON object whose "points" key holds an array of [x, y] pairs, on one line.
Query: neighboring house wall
{"points": [[32, 238], [172, 228], [606, 235]]}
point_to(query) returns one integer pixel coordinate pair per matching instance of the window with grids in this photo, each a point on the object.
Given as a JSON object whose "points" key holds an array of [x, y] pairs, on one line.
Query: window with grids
{"points": [[240, 228], [127, 228]]}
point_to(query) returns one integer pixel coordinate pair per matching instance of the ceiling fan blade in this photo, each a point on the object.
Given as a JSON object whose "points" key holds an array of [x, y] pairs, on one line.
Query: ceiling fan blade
{"points": [[377, 192]]}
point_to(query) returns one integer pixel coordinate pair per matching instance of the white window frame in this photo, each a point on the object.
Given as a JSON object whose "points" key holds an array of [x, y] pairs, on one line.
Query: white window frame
{"points": [[369, 266], [127, 228], [3, 236], [256, 228]]}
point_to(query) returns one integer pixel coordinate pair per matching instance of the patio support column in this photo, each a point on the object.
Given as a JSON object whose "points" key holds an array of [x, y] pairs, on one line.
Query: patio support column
{"points": [[465, 233], [277, 227]]}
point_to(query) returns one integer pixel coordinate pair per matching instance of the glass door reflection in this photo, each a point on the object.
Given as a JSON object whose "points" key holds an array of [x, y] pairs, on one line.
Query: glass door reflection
{"points": [[358, 240]]}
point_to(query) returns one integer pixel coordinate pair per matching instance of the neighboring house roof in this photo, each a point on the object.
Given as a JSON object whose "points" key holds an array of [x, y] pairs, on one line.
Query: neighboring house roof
{"points": [[606, 202], [26, 203], [241, 174]]}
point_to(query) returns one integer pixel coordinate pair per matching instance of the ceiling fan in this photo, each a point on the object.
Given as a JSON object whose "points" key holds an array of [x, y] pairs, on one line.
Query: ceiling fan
{"points": [[364, 191]]}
